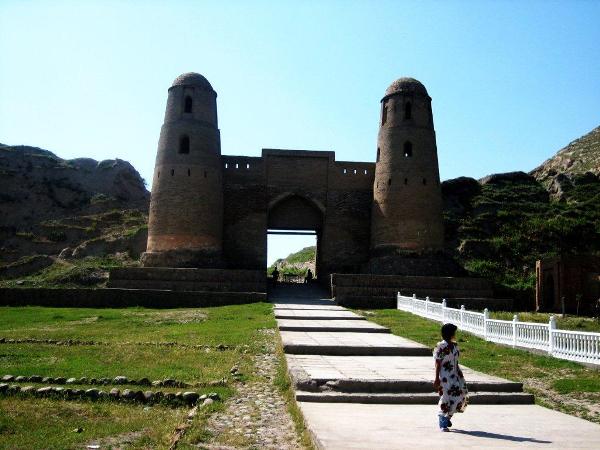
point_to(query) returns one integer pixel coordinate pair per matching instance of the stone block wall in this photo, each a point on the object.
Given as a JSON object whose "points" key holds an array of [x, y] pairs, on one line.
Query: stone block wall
{"points": [[380, 290], [183, 279], [297, 189], [123, 298]]}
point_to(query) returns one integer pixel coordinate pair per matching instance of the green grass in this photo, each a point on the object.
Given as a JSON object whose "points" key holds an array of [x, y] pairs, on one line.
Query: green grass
{"points": [[227, 325], [189, 365], [237, 327], [537, 372], [565, 386], [110, 423], [576, 323]]}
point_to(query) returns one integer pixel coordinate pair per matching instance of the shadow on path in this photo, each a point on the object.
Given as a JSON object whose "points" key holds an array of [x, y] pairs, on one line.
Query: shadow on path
{"points": [[505, 437], [312, 294]]}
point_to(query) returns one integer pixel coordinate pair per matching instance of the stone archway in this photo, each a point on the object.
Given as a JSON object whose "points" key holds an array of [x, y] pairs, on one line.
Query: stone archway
{"points": [[295, 212]]}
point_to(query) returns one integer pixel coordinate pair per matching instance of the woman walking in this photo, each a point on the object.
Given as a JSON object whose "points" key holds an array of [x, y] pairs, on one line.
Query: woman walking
{"points": [[449, 380]]}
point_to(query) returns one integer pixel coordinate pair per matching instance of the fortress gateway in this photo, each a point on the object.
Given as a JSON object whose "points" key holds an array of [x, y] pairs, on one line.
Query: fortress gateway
{"points": [[213, 211]]}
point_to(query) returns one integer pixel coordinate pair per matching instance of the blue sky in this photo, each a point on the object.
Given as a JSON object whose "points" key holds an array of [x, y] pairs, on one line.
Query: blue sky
{"points": [[511, 81]]}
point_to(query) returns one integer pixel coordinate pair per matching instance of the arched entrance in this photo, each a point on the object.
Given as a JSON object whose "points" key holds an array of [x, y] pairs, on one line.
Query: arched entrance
{"points": [[293, 214]]}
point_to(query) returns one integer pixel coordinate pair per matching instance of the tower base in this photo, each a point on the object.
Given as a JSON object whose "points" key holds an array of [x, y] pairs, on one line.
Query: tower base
{"points": [[199, 259]]}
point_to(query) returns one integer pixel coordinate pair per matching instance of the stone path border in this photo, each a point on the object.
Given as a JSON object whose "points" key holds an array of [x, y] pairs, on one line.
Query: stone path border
{"points": [[72, 342], [256, 417], [101, 381], [125, 396]]}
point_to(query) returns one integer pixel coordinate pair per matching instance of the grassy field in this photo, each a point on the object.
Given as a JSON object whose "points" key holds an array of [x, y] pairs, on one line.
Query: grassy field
{"points": [[230, 334], [558, 384], [227, 325]]}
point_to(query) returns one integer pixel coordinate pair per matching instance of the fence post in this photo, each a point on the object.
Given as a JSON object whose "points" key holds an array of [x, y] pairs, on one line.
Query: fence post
{"points": [[486, 317], [514, 329], [398, 300], [444, 310], [551, 328], [462, 316], [414, 303], [427, 306]]}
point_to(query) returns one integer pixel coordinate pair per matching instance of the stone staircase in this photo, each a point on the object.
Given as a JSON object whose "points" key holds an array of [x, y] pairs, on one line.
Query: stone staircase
{"points": [[336, 356]]}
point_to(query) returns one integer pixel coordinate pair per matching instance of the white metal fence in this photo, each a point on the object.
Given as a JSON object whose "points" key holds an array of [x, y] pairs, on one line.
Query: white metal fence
{"points": [[572, 345]]}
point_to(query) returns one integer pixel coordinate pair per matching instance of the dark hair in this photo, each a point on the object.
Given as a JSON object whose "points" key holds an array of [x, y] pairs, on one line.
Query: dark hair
{"points": [[448, 331]]}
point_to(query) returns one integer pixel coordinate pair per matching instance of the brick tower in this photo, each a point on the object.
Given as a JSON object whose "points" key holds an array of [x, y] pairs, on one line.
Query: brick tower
{"points": [[407, 203], [186, 208]]}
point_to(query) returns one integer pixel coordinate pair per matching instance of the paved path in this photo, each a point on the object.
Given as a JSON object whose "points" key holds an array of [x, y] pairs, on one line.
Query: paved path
{"points": [[360, 426], [330, 325], [350, 343], [360, 387], [316, 314]]}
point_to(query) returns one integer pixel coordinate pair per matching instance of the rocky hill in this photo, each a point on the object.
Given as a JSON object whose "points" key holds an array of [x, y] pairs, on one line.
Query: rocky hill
{"points": [[578, 158], [73, 208], [498, 226], [296, 263]]}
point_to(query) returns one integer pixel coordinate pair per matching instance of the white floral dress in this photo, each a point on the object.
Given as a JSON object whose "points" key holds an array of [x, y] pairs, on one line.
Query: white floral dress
{"points": [[453, 390]]}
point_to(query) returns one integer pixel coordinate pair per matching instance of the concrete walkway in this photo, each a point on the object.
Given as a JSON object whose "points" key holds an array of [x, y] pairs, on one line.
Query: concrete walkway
{"points": [[359, 387]]}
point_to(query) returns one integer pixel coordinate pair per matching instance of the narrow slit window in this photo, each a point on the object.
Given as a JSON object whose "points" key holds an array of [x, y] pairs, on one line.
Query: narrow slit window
{"points": [[172, 172], [384, 114], [237, 166], [406, 181], [389, 181], [247, 165], [408, 149], [365, 171], [187, 106], [355, 172], [226, 166], [158, 176], [184, 144], [424, 181], [189, 173], [345, 170], [378, 154], [407, 111]]}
